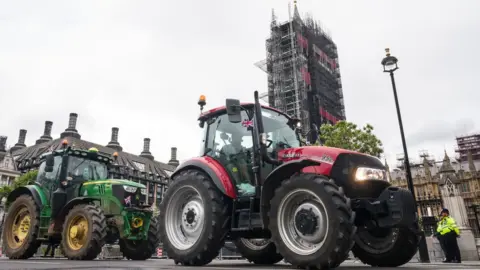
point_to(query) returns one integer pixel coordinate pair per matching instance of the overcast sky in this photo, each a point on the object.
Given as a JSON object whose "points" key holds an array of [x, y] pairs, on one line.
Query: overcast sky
{"points": [[141, 66]]}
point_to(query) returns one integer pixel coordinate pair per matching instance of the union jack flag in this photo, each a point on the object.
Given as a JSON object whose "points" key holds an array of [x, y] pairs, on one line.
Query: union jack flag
{"points": [[128, 200], [247, 123]]}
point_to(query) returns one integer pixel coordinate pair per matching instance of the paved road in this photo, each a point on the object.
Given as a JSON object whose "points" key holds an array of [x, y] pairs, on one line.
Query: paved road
{"points": [[168, 264]]}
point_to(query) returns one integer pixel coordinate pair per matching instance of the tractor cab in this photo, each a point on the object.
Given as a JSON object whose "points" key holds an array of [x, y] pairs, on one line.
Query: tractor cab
{"points": [[63, 172], [229, 139]]}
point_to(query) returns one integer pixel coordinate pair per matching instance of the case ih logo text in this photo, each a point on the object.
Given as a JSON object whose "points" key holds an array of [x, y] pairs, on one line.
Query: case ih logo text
{"points": [[291, 155]]}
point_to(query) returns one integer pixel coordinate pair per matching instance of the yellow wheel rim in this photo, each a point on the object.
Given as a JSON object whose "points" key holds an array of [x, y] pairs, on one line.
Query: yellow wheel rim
{"points": [[20, 228], [77, 232]]}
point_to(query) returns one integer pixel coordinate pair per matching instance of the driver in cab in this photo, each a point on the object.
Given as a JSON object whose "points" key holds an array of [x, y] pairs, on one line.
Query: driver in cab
{"points": [[236, 156]]}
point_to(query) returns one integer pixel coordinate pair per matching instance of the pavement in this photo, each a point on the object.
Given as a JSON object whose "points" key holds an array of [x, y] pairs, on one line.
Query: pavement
{"points": [[216, 265]]}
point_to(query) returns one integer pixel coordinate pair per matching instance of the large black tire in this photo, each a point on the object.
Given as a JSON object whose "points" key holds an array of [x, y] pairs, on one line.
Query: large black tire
{"points": [[215, 219], [385, 247], [142, 250], [93, 241], [29, 211], [264, 254], [336, 241]]}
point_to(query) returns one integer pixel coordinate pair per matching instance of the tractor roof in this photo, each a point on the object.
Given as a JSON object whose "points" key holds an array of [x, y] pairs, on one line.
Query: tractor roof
{"points": [[92, 155], [222, 110]]}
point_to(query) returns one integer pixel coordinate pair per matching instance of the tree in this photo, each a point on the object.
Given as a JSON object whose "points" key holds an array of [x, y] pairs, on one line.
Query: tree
{"points": [[347, 135], [4, 191], [23, 180]]}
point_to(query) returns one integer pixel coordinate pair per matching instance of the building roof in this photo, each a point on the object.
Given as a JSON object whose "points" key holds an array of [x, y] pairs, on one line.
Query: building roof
{"points": [[29, 156], [141, 166]]}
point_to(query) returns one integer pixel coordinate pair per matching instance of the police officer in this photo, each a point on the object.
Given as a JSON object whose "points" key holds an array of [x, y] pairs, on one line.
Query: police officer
{"points": [[448, 232]]}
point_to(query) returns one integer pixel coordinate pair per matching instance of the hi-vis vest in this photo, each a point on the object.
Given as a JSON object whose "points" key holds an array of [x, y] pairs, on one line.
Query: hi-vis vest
{"points": [[446, 225]]}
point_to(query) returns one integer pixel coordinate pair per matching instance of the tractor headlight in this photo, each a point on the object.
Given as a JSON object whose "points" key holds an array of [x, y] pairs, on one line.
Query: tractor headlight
{"points": [[143, 191], [130, 189], [364, 173]]}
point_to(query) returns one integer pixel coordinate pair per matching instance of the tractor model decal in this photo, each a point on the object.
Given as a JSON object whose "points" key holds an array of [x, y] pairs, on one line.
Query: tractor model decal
{"points": [[326, 159]]}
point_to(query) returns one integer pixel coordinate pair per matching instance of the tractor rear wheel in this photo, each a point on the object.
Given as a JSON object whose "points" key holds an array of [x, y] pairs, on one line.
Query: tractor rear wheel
{"points": [[142, 249], [193, 219], [311, 222], [21, 228], [84, 232], [385, 247], [258, 251]]}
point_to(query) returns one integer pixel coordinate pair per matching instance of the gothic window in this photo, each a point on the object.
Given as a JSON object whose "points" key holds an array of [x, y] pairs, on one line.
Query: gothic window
{"points": [[465, 187], [450, 187]]}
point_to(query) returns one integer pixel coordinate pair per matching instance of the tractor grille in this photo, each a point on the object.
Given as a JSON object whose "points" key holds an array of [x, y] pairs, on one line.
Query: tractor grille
{"points": [[128, 198]]}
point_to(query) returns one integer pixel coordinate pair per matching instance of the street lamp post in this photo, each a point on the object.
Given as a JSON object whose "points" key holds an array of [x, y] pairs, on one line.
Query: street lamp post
{"points": [[390, 65]]}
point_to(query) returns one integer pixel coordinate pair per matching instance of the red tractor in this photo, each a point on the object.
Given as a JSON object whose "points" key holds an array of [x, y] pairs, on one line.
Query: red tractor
{"points": [[256, 184]]}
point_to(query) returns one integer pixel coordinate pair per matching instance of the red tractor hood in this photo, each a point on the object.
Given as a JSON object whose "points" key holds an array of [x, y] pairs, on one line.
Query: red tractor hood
{"points": [[326, 155]]}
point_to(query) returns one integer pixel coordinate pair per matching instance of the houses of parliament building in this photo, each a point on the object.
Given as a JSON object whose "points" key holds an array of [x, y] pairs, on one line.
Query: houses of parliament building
{"points": [[429, 175]]}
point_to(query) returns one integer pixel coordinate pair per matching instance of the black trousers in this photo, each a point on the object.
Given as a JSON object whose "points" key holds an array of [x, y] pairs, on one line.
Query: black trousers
{"points": [[452, 252], [441, 240]]}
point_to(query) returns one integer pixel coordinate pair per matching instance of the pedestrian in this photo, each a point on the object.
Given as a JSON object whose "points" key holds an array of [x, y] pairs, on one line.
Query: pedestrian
{"points": [[448, 232], [440, 241]]}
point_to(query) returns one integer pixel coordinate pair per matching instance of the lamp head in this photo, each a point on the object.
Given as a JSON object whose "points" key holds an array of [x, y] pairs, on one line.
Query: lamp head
{"points": [[389, 63]]}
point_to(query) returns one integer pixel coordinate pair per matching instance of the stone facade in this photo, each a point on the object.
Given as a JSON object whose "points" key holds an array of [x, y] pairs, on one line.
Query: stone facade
{"points": [[430, 175]]}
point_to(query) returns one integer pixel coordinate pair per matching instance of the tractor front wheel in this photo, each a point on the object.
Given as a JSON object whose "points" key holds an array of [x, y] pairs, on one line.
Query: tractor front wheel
{"points": [[311, 222], [193, 219], [84, 232], [142, 249], [258, 251], [385, 247], [21, 228]]}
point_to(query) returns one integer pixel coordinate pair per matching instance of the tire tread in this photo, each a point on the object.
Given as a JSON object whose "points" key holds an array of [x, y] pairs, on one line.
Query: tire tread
{"points": [[99, 233], [210, 248], [148, 247], [401, 253], [33, 244], [346, 227]]}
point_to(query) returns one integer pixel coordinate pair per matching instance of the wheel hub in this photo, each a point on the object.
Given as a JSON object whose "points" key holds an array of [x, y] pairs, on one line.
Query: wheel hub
{"points": [[190, 216], [306, 221], [184, 217], [77, 232], [19, 229], [303, 221], [192, 213]]}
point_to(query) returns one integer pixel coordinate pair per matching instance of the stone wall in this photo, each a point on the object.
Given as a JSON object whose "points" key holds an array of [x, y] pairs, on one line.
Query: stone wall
{"points": [[436, 254]]}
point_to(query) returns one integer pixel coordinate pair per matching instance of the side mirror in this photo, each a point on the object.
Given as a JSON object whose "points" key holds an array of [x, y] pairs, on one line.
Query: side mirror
{"points": [[49, 162], [233, 110]]}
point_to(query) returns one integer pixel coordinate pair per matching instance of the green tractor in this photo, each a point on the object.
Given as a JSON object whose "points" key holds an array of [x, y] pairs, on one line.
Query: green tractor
{"points": [[75, 205]]}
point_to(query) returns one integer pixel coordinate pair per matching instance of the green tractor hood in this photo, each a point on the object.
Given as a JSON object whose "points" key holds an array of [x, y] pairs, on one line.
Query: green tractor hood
{"points": [[115, 182]]}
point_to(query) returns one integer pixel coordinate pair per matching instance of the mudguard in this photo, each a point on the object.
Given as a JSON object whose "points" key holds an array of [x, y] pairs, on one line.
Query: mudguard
{"points": [[214, 170], [74, 202], [275, 178], [32, 190]]}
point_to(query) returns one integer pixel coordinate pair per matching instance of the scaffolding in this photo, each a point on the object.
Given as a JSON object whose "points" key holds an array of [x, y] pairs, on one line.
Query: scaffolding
{"points": [[468, 144], [303, 73]]}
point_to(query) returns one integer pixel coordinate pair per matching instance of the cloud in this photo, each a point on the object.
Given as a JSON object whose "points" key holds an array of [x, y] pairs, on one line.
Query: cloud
{"points": [[141, 65]]}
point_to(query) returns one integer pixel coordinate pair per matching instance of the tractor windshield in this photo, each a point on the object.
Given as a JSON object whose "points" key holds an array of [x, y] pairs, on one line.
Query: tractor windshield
{"points": [[278, 131], [85, 169]]}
